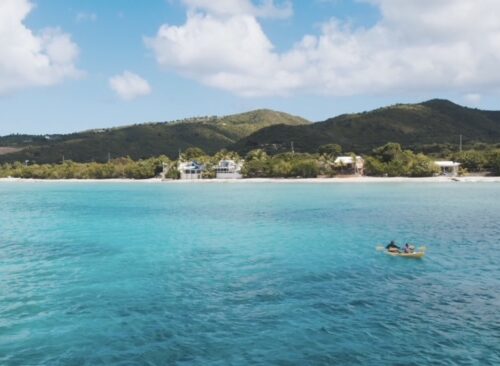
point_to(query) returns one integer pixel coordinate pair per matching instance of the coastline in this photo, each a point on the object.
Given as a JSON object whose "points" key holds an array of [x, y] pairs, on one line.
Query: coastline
{"points": [[440, 179]]}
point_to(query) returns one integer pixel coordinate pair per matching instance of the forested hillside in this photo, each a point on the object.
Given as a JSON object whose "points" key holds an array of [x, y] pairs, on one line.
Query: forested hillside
{"points": [[143, 140], [431, 126], [414, 126]]}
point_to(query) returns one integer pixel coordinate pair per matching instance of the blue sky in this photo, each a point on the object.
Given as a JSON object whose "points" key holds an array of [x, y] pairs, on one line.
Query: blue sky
{"points": [[78, 64]]}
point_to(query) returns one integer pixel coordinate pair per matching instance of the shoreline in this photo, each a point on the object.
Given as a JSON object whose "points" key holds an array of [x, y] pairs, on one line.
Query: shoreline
{"points": [[466, 179]]}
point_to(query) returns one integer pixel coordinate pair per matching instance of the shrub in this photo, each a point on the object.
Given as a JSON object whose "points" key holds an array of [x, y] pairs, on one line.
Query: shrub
{"points": [[494, 162], [307, 168], [473, 161]]}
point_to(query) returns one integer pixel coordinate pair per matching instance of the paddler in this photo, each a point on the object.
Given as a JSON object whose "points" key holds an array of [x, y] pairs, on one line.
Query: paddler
{"points": [[409, 248], [392, 247]]}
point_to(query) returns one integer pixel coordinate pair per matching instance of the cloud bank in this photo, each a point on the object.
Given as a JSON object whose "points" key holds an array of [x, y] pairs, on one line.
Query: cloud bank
{"points": [[417, 45], [129, 86], [28, 59]]}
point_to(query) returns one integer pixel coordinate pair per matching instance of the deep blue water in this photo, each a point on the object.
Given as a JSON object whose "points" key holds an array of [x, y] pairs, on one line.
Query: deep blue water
{"points": [[244, 274]]}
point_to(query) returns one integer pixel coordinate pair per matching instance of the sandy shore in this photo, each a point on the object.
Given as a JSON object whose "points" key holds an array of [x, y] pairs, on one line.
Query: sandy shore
{"points": [[23, 180], [266, 180]]}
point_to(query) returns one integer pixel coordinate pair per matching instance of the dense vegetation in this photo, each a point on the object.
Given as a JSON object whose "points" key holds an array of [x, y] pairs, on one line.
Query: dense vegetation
{"points": [[142, 141], [117, 168], [265, 138], [474, 161], [258, 164], [419, 127], [388, 160]]}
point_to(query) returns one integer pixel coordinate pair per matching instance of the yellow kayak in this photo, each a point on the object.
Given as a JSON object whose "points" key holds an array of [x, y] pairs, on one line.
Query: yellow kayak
{"points": [[415, 255]]}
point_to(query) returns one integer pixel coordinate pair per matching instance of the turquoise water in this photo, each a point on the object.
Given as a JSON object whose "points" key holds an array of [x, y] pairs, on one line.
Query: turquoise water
{"points": [[240, 274]]}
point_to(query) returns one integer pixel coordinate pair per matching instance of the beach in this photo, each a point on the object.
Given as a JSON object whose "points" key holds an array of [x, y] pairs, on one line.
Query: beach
{"points": [[350, 179]]}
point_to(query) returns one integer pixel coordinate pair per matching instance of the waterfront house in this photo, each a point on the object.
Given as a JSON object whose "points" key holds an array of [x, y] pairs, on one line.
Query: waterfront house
{"points": [[191, 170], [448, 168], [350, 165], [228, 169]]}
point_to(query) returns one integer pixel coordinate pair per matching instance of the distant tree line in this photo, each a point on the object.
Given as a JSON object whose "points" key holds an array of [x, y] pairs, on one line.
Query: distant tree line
{"points": [[388, 160], [116, 168]]}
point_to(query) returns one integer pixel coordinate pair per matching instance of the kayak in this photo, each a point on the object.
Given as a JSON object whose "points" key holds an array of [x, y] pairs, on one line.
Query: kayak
{"points": [[415, 255]]}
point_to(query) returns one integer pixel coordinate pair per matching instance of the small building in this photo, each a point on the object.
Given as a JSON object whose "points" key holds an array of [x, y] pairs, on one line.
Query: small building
{"points": [[228, 169], [349, 165], [448, 168], [191, 170]]}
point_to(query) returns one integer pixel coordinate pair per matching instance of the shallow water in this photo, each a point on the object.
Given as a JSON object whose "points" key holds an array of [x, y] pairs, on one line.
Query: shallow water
{"points": [[287, 274]]}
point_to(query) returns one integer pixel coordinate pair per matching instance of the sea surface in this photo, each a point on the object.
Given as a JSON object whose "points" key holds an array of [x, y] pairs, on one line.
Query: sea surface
{"points": [[248, 274]]}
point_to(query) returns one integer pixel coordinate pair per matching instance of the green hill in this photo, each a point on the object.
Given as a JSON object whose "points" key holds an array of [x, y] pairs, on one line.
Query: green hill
{"points": [[143, 140], [412, 125]]}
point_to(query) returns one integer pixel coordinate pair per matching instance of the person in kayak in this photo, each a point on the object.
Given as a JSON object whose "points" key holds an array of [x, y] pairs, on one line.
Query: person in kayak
{"points": [[409, 248], [392, 247]]}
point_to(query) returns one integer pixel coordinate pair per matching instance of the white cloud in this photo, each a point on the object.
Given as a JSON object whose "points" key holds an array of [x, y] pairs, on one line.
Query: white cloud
{"points": [[28, 59], [264, 9], [418, 45], [129, 86], [85, 17]]}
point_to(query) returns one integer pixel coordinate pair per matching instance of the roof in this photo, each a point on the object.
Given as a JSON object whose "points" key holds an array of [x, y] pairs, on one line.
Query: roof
{"points": [[446, 163], [346, 159], [190, 165], [226, 163]]}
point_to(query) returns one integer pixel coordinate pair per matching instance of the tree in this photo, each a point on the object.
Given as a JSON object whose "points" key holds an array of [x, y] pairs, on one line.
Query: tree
{"points": [[281, 168], [392, 161], [258, 154], [225, 154], [422, 166], [494, 162], [330, 150], [256, 169], [307, 168], [389, 152], [374, 167], [193, 153], [473, 161]]}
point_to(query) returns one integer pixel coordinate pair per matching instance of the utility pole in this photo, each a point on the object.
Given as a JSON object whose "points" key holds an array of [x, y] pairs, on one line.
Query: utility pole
{"points": [[460, 143], [63, 159]]}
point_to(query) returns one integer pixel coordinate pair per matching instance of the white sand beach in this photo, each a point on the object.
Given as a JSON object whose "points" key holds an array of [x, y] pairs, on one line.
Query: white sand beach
{"points": [[349, 179], [344, 180], [120, 180]]}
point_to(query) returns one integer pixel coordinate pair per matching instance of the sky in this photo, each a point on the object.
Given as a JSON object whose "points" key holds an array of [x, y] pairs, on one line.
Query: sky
{"points": [[72, 65]]}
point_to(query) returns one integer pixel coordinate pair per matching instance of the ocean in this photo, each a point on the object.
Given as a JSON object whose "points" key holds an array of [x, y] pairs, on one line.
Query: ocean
{"points": [[248, 274]]}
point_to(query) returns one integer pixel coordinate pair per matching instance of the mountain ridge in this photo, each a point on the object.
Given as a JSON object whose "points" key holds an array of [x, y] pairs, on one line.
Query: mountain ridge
{"points": [[138, 141], [436, 121], [414, 126]]}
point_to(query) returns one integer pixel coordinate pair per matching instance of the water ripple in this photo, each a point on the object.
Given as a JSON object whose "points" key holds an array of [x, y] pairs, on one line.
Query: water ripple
{"points": [[248, 274]]}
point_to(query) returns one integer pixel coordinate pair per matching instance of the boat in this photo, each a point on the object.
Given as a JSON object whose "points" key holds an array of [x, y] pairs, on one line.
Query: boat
{"points": [[414, 255]]}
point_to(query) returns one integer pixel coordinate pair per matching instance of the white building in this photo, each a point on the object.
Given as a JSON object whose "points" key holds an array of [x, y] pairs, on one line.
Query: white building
{"points": [[348, 165], [229, 169], [448, 168], [190, 170]]}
